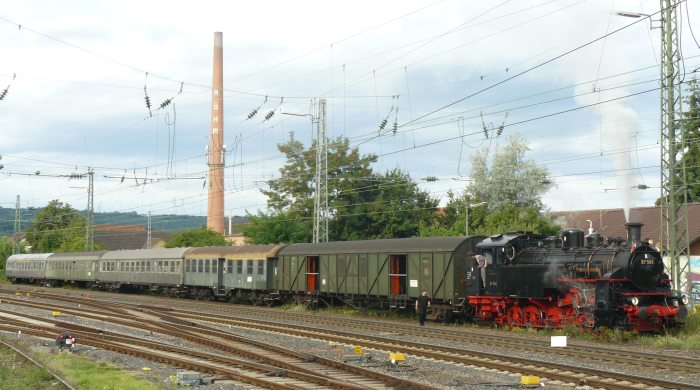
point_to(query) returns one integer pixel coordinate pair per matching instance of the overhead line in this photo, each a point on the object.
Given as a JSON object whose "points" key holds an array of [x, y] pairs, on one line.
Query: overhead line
{"points": [[525, 71]]}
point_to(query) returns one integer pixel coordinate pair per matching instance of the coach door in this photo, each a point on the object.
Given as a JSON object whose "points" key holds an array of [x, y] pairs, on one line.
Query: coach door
{"points": [[220, 287], [397, 274], [312, 273]]}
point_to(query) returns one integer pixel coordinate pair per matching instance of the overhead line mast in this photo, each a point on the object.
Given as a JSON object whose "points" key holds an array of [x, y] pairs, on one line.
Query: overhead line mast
{"points": [[674, 194], [321, 214]]}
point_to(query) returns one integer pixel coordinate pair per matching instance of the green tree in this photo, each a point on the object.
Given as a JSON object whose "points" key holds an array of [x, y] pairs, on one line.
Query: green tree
{"points": [[396, 208], [690, 155], [510, 188], [690, 126], [57, 228], [5, 250], [196, 238], [362, 203], [278, 228]]}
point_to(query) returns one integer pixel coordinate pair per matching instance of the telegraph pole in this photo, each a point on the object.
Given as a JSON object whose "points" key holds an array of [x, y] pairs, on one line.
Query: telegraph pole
{"points": [[321, 199], [674, 195], [18, 228]]}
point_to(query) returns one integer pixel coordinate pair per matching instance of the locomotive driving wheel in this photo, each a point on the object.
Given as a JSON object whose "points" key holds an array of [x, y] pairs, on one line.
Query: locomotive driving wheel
{"points": [[533, 316], [514, 316]]}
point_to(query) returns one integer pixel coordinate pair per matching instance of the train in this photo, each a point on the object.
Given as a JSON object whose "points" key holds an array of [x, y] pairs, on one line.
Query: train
{"points": [[515, 279]]}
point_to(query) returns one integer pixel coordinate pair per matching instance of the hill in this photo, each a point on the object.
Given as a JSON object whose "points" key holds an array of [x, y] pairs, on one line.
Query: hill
{"points": [[167, 222]]}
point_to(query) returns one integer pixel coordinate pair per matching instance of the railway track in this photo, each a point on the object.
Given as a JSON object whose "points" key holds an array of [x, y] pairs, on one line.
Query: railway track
{"points": [[195, 322], [32, 361], [446, 335], [297, 370]]}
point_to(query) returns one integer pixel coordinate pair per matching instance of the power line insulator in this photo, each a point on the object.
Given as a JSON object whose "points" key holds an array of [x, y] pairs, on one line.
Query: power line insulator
{"points": [[165, 103]]}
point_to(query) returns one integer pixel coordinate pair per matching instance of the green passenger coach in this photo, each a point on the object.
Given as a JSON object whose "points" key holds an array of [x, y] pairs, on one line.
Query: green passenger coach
{"points": [[233, 271], [384, 273]]}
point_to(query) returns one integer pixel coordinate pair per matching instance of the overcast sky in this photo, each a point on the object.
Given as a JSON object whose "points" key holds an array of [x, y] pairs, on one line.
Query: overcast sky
{"points": [[590, 115]]}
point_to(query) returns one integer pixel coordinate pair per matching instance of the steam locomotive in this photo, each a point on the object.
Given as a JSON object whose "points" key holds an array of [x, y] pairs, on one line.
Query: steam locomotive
{"points": [[522, 279], [515, 279]]}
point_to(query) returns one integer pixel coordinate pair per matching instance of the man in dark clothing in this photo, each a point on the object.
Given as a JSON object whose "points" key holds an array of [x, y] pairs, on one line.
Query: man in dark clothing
{"points": [[422, 305]]}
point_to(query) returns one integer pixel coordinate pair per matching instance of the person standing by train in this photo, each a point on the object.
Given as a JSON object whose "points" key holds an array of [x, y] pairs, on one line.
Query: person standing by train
{"points": [[422, 305]]}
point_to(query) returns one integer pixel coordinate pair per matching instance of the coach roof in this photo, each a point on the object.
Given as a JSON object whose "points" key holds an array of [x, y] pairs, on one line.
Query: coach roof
{"points": [[245, 252], [30, 256], [145, 254], [77, 256], [396, 245]]}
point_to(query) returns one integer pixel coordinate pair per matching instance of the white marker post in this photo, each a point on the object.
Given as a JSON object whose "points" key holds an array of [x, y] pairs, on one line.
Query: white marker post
{"points": [[558, 342]]}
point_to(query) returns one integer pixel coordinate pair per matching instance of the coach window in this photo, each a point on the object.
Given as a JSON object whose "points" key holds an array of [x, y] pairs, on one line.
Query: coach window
{"points": [[214, 266], [261, 269], [207, 266], [172, 267], [239, 267], [229, 266], [249, 267]]}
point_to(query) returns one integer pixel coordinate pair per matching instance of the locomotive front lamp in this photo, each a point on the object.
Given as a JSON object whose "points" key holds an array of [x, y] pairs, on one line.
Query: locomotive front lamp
{"points": [[634, 301], [684, 299]]}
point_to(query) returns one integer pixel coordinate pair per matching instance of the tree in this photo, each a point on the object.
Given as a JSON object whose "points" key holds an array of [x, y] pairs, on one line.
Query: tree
{"points": [[690, 127], [57, 228], [690, 153], [362, 203], [510, 187], [5, 250], [196, 238], [275, 228], [397, 208]]}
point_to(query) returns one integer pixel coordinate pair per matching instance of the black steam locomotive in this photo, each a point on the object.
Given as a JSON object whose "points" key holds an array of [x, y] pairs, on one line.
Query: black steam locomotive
{"points": [[523, 279]]}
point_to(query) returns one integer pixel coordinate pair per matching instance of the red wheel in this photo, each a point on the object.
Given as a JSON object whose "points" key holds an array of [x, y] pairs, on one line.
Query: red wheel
{"points": [[514, 316], [555, 315], [533, 316]]}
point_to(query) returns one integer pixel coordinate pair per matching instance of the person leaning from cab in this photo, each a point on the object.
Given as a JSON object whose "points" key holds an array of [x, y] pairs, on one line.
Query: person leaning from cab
{"points": [[422, 305]]}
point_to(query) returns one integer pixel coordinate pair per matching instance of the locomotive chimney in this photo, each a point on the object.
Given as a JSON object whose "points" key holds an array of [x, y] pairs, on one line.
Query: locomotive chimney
{"points": [[634, 233]]}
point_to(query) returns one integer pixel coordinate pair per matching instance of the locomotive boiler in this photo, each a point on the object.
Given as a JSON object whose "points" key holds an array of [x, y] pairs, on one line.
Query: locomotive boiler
{"points": [[523, 279]]}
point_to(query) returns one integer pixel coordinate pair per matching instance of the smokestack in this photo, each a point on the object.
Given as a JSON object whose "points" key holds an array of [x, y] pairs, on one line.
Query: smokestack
{"points": [[634, 233], [215, 210]]}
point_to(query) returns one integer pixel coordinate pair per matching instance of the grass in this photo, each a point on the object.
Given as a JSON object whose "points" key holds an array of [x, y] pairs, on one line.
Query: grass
{"points": [[17, 373], [81, 372], [3, 278], [88, 374], [686, 338]]}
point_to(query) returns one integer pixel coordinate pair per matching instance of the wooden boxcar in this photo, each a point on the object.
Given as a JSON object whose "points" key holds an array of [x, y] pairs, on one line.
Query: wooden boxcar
{"points": [[143, 268], [77, 267], [241, 271], [379, 272], [27, 268]]}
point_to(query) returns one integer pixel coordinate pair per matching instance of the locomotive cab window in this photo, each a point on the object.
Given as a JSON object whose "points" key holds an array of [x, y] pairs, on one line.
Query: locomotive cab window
{"points": [[489, 257]]}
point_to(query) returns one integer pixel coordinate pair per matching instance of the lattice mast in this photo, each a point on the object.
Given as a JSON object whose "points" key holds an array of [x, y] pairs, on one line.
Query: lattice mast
{"points": [[90, 217], [674, 197], [149, 241], [18, 228], [321, 199]]}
